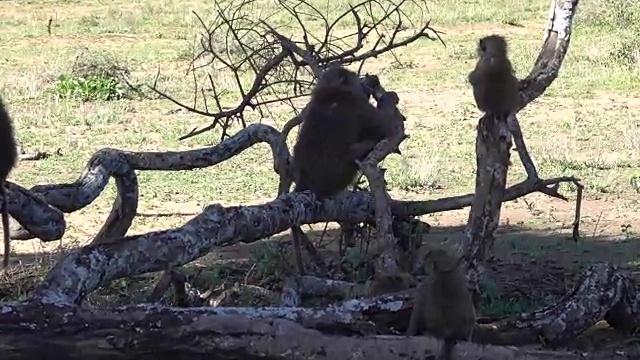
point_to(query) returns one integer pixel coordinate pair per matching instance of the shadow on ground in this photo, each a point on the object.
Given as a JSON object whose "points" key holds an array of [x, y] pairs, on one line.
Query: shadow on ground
{"points": [[531, 268]]}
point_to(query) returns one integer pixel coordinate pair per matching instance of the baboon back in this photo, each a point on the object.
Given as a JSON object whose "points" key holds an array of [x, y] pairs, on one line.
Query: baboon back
{"points": [[8, 150]]}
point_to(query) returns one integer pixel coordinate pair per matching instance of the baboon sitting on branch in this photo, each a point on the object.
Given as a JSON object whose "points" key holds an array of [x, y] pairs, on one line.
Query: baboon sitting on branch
{"points": [[339, 126]]}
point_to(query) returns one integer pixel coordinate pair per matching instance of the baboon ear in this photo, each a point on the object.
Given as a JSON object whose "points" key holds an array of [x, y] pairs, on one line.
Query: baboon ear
{"points": [[481, 45]]}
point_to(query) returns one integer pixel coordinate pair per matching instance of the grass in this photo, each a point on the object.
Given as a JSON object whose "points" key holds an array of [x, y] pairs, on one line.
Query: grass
{"points": [[64, 92]]}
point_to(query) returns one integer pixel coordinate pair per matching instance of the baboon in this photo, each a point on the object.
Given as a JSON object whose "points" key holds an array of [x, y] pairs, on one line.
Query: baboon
{"points": [[385, 284], [495, 86], [8, 158], [339, 126], [443, 305]]}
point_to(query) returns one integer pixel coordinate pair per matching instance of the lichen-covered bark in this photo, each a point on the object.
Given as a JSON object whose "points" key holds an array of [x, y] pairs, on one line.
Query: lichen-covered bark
{"points": [[34, 214], [153, 332], [493, 143], [47, 223]]}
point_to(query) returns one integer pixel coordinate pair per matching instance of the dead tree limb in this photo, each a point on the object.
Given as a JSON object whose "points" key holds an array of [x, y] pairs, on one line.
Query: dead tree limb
{"points": [[87, 268], [387, 264], [493, 144], [152, 332], [236, 43], [33, 215], [29, 208]]}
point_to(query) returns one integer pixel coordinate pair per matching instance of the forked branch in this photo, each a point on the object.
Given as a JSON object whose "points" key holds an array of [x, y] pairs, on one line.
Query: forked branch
{"points": [[494, 142], [237, 44]]}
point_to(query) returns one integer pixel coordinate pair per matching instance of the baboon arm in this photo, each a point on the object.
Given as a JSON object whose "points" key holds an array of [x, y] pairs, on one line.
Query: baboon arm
{"points": [[360, 150], [473, 77], [415, 321]]}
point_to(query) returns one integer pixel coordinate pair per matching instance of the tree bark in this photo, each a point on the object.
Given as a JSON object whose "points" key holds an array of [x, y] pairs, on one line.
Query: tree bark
{"points": [[151, 332], [493, 144]]}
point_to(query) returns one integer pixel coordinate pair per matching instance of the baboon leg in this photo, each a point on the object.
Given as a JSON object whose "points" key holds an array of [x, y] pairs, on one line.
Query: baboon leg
{"points": [[301, 239], [296, 234], [360, 150], [446, 352], [415, 320], [5, 226]]}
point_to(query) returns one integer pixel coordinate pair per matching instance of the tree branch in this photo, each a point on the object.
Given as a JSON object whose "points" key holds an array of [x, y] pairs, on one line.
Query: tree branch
{"points": [[32, 210], [493, 144]]}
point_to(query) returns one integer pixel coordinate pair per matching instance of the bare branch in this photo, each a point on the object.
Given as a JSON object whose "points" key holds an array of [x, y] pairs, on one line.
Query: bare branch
{"points": [[275, 61], [37, 208]]}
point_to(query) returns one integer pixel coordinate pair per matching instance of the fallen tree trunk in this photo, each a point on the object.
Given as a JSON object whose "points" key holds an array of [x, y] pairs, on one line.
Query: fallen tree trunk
{"points": [[84, 270], [150, 332]]}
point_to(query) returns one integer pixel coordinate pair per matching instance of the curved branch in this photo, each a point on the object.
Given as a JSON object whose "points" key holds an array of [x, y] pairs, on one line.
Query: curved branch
{"points": [[121, 165], [94, 178], [557, 37], [35, 216]]}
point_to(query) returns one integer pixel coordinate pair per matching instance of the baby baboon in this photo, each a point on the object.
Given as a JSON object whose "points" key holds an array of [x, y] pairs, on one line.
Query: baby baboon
{"points": [[386, 284], [443, 306], [8, 158], [495, 87], [340, 126]]}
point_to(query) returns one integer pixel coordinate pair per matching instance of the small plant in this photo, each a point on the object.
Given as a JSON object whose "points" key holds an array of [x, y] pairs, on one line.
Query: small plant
{"points": [[268, 260], [627, 53], [89, 88], [355, 262], [493, 303], [94, 77]]}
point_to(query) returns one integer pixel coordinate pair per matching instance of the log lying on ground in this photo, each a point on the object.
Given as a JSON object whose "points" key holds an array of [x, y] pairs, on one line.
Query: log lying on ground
{"points": [[151, 332], [85, 269], [602, 292]]}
